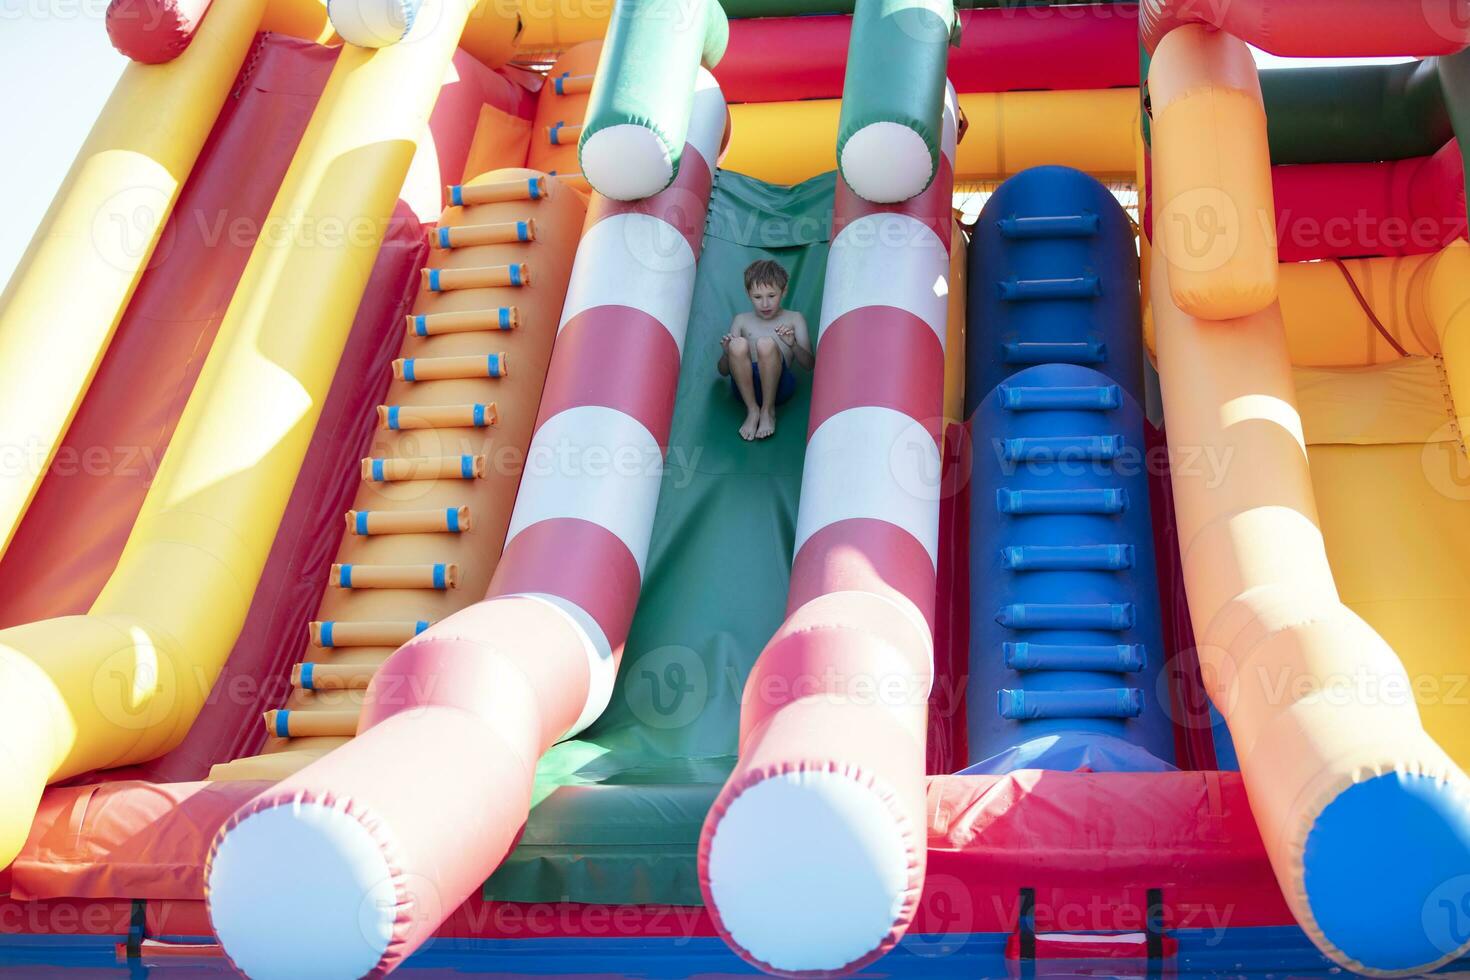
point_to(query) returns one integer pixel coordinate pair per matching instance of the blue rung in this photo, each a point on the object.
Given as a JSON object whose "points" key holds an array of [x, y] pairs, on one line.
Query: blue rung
{"points": [[1107, 702], [1108, 500], [307, 680], [1110, 616], [1068, 557], [1087, 398], [1028, 290], [1059, 352], [1034, 449], [1050, 226], [1116, 658], [328, 627]]}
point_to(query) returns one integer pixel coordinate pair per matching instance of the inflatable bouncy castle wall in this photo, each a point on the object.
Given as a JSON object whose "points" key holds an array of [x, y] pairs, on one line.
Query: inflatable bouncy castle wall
{"points": [[389, 587]]}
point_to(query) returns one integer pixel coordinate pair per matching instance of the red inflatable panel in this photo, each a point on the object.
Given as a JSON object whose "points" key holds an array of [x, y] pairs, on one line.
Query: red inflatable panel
{"points": [[1337, 210], [1351, 210], [1321, 28], [71, 536], [779, 59], [154, 31], [1089, 844]]}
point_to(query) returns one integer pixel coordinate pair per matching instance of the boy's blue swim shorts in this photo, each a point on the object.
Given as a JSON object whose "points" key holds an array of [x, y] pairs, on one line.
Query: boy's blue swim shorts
{"points": [[785, 388]]}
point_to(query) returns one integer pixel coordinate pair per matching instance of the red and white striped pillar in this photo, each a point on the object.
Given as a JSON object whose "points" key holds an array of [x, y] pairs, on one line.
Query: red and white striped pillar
{"points": [[812, 858], [382, 839]]}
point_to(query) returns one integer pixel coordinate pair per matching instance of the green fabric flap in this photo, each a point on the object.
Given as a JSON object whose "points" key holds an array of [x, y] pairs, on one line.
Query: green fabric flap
{"points": [[618, 810]]}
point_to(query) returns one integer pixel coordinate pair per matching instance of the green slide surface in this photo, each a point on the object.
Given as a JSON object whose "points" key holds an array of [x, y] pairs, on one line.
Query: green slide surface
{"points": [[617, 811]]}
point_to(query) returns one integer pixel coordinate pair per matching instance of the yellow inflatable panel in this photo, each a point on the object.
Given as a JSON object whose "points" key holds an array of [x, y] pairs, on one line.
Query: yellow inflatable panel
{"points": [[954, 334], [1093, 131], [1326, 325], [1396, 518], [306, 19], [64, 301], [123, 683]]}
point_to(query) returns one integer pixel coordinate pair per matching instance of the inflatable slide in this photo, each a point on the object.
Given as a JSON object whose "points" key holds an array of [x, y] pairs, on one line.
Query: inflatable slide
{"points": [[392, 580]]}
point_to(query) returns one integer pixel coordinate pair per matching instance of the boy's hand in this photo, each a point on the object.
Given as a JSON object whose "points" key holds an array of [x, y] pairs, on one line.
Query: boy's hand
{"points": [[725, 341], [787, 333]]}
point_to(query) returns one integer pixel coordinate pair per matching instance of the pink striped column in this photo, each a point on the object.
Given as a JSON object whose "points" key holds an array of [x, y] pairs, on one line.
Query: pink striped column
{"points": [[348, 866], [812, 859]]}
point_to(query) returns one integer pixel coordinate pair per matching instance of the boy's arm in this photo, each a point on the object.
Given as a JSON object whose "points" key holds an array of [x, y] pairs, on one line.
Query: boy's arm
{"points": [[724, 365], [803, 346]]}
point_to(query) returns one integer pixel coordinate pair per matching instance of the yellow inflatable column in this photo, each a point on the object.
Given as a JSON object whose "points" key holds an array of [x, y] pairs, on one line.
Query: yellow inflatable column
{"points": [[1214, 216], [123, 683], [1448, 302], [58, 314]]}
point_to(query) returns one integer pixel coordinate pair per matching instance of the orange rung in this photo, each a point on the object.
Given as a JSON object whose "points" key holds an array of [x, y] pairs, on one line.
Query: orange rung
{"points": [[332, 634], [567, 84], [451, 368], [440, 520], [562, 134], [395, 469], [499, 233], [469, 321], [483, 277], [519, 189], [439, 575], [399, 417], [332, 677], [311, 723]]}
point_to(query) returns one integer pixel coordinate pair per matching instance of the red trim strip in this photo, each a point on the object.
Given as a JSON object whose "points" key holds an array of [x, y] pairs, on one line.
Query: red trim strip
{"points": [[618, 357]]}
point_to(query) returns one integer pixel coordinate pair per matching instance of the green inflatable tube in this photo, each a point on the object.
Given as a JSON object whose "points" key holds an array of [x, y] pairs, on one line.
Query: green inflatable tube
{"points": [[1355, 114], [638, 112], [1361, 113], [893, 97]]}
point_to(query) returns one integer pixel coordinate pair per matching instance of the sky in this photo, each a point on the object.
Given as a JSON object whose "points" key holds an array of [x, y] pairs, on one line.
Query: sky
{"points": [[56, 70]]}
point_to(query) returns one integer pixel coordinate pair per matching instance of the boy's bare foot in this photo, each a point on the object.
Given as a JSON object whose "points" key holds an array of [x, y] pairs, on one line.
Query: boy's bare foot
{"points": [[748, 427], [767, 426]]}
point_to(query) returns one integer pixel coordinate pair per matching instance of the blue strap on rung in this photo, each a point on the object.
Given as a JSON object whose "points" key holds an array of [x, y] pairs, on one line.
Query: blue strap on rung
{"points": [[504, 318], [419, 626], [456, 195], [515, 275], [306, 678], [362, 522], [408, 369], [535, 188], [283, 725], [392, 416], [467, 466], [434, 280], [378, 474], [344, 577], [328, 628], [421, 325], [523, 231], [440, 574], [479, 416], [451, 519], [492, 365], [444, 238]]}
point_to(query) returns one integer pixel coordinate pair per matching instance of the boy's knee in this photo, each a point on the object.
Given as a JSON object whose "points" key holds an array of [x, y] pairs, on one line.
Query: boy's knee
{"points": [[765, 347], [739, 347]]}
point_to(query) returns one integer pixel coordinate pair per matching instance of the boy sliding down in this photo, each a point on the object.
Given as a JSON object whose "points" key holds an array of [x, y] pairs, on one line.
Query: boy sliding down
{"points": [[760, 346]]}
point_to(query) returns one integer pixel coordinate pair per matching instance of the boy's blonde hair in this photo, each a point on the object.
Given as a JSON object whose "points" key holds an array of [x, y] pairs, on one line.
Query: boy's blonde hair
{"points": [[766, 272]]}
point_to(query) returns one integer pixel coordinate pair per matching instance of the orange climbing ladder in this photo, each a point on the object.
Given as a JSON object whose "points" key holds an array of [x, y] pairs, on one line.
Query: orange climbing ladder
{"points": [[429, 519]]}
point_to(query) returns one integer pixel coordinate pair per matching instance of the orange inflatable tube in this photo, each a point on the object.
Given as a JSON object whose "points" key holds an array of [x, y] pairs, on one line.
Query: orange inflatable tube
{"points": [[1214, 222]]}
